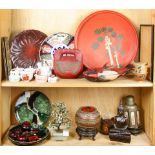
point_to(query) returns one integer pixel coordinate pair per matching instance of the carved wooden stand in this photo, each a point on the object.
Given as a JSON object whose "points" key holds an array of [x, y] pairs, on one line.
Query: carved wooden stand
{"points": [[86, 132]]}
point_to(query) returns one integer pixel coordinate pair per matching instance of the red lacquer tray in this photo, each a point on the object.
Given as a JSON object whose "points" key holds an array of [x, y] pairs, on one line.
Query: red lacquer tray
{"points": [[25, 48], [106, 39]]}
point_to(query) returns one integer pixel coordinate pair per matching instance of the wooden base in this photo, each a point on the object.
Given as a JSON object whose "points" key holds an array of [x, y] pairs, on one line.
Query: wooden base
{"points": [[86, 132], [101, 140]]}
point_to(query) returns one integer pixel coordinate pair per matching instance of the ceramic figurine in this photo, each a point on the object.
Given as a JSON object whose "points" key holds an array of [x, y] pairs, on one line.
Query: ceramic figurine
{"points": [[87, 119], [133, 113], [120, 132], [59, 122]]}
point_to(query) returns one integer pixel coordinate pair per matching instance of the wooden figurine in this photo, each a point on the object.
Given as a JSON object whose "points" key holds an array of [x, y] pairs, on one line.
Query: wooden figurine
{"points": [[120, 132]]}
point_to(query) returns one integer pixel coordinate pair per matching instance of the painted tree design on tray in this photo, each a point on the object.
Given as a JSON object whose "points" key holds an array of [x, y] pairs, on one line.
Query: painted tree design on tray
{"points": [[112, 42]]}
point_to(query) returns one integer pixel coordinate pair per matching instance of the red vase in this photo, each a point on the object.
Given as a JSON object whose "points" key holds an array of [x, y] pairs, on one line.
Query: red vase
{"points": [[68, 63]]}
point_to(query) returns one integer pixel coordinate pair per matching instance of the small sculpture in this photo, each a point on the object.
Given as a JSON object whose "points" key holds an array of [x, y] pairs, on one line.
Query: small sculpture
{"points": [[59, 122], [120, 132]]}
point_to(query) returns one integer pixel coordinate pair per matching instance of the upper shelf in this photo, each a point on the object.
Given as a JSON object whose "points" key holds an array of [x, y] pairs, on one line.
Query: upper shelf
{"points": [[120, 82]]}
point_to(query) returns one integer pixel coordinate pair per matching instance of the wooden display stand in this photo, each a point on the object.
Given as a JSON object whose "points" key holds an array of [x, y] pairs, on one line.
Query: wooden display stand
{"points": [[75, 92]]}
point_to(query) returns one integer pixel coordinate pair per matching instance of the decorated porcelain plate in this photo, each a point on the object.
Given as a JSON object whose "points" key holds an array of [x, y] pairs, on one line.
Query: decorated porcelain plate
{"points": [[34, 107], [25, 48], [54, 42], [106, 39]]}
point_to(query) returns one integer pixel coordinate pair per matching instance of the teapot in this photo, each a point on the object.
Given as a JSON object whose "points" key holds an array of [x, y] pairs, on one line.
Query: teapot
{"points": [[14, 75], [43, 69]]}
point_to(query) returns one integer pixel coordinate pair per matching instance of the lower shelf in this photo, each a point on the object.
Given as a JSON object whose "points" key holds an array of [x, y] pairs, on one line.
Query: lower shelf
{"points": [[101, 140]]}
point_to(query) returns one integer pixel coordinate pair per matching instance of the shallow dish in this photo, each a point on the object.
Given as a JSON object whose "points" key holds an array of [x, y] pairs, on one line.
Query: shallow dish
{"points": [[28, 137], [94, 76]]}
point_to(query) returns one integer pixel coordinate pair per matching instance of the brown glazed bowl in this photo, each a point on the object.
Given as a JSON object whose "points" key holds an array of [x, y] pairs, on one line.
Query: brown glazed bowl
{"points": [[87, 117]]}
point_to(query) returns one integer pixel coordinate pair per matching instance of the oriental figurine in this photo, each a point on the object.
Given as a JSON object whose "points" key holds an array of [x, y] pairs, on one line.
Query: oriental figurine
{"points": [[120, 132]]}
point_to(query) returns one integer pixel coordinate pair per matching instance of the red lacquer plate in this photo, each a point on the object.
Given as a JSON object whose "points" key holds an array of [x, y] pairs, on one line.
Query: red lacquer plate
{"points": [[25, 48], [106, 39]]}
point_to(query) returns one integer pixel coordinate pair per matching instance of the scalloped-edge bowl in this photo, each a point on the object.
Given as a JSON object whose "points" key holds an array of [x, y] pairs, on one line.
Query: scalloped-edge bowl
{"points": [[104, 76]]}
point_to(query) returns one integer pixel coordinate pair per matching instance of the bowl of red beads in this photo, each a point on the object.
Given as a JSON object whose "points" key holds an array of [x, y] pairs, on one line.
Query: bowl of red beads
{"points": [[28, 134]]}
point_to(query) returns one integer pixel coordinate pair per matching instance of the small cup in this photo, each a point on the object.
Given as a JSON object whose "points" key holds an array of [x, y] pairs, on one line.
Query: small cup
{"points": [[52, 79], [26, 76], [140, 71]]}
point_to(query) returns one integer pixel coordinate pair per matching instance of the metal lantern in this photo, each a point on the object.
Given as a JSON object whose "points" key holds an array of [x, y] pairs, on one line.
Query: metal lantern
{"points": [[132, 112]]}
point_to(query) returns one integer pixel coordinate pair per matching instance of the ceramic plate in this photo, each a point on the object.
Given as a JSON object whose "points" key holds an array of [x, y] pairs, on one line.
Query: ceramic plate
{"points": [[105, 76], [33, 106], [25, 48], [43, 134], [106, 39], [54, 42]]}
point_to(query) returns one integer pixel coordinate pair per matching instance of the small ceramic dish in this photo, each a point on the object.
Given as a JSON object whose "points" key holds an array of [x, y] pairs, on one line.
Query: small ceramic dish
{"points": [[108, 75], [52, 79], [25, 137], [104, 76], [40, 78]]}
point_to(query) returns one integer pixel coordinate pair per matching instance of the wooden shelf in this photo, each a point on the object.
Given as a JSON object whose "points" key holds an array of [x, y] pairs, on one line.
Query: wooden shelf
{"points": [[101, 140], [120, 82]]}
